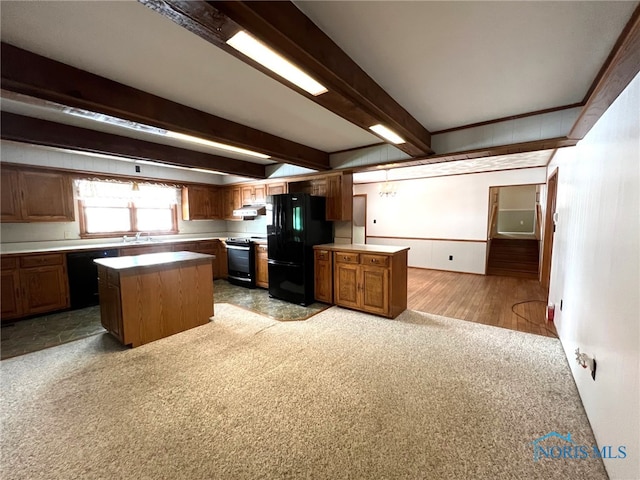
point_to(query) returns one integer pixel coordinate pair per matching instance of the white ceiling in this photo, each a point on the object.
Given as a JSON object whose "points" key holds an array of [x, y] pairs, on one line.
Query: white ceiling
{"points": [[448, 63], [455, 63]]}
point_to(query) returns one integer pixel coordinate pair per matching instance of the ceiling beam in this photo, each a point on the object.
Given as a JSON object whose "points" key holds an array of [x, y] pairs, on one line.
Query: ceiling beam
{"points": [[352, 94], [545, 144], [620, 68], [40, 77], [43, 132]]}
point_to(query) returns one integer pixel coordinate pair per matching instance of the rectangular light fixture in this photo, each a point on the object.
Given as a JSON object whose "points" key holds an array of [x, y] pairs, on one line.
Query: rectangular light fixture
{"points": [[258, 51], [209, 143], [140, 127], [384, 132]]}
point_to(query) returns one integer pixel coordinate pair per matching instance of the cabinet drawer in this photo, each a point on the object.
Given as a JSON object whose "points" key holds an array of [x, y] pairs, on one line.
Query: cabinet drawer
{"points": [[323, 254], [347, 257], [41, 260], [8, 263], [378, 260]]}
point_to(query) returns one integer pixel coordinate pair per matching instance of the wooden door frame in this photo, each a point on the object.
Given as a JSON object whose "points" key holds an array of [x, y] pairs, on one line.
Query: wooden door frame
{"points": [[549, 231]]}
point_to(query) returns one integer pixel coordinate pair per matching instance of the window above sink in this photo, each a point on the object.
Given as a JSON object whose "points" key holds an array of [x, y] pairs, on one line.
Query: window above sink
{"points": [[116, 208]]}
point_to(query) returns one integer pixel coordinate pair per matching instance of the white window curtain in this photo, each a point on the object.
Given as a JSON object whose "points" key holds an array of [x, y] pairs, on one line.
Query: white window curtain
{"points": [[102, 192]]}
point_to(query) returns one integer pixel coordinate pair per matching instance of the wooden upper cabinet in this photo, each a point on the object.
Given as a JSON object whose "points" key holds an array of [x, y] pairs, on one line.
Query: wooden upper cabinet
{"points": [[254, 194], [36, 196], [338, 190], [276, 188], [10, 202], [200, 202], [340, 196], [232, 201]]}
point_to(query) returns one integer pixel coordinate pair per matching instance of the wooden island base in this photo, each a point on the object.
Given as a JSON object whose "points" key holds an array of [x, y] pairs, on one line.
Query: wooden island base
{"points": [[369, 278], [147, 297]]}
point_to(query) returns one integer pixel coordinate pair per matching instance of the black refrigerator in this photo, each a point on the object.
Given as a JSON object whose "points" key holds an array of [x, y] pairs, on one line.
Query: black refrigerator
{"points": [[295, 223]]}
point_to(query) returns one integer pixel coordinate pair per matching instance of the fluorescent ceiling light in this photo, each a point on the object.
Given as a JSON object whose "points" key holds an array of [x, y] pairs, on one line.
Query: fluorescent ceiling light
{"points": [[179, 167], [140, 127], [390, 135], [258, 51], [209, 143]]}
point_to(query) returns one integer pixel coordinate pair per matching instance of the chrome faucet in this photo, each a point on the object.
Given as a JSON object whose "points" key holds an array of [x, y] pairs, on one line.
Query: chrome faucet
{"points": [[138, 236]]}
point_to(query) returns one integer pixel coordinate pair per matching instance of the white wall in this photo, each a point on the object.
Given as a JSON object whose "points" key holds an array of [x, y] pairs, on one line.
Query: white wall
{"points": [[526, 129], [596, 273], [440, 216]]}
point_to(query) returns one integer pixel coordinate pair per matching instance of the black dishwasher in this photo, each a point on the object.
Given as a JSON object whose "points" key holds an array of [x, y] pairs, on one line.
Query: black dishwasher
{"points": [[83, 276]]}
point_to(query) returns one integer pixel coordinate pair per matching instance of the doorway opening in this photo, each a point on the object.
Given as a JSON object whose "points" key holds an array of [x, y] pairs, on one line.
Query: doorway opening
{"points": [[359, 232], [513, 236]]}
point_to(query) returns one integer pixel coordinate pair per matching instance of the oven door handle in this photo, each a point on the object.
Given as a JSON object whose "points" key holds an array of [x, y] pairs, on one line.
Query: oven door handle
{"points": [[235, 247]]}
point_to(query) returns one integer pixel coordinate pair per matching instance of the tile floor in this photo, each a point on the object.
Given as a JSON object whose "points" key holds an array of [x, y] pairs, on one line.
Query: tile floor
{"points": [[34, 334]]}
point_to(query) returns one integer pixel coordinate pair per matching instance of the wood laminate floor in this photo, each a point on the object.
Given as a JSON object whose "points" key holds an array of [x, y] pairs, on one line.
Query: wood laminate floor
{"points": [[488, 299]]}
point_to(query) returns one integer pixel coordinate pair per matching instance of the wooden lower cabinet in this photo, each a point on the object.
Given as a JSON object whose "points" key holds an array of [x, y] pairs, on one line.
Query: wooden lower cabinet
{"points": [[143, 249], [11, 299], [365, 279], [110, 304], [323, 271], [262, 266], [208, 247], [34, 284]]}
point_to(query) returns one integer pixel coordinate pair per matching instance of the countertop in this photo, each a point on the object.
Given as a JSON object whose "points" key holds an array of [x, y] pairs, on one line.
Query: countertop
{"points": [[360, 248], [151, 260], [80, 245]]}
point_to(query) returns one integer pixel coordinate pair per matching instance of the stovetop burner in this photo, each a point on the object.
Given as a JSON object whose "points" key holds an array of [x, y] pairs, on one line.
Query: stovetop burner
{"points": [[239, 240]]}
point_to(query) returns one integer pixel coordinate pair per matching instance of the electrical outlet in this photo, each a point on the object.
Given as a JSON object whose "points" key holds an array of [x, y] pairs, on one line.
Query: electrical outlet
{"points": [[450, 257], [137, 168], [374, 220], [560, 304]]}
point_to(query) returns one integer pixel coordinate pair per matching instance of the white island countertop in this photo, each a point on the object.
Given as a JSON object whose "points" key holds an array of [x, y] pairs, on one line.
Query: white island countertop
{"points": [[151, 260], [360, 247]]}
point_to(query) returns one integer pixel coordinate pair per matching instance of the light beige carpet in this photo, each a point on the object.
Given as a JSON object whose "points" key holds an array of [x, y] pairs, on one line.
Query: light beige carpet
{"points": [[341, 395]]}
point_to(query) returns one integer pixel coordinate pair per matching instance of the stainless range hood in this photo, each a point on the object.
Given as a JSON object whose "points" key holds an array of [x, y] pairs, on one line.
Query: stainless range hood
{"points": [[250, 211]]}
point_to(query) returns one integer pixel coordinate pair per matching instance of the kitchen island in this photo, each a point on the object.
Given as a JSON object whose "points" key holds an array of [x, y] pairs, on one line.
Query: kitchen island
{"points": [[370, 278], [147, 297]]}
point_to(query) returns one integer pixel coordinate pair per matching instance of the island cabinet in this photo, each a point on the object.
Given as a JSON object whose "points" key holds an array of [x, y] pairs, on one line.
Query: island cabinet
{"points": [[370, 278], [147, 297], [323, 271], [33, 284], [35, 196], [262, 265]]}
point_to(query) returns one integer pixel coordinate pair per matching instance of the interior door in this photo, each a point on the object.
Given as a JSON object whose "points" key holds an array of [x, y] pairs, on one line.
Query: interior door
{"points": [[549, 231]]}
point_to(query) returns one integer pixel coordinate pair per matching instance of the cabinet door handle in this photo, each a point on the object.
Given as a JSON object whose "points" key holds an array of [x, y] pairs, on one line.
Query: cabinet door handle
{"points": [[345, 258]]}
